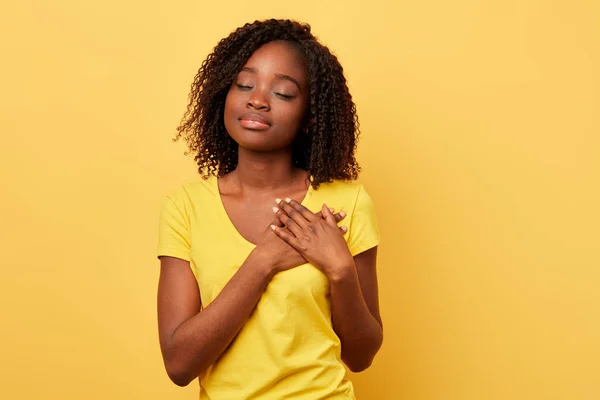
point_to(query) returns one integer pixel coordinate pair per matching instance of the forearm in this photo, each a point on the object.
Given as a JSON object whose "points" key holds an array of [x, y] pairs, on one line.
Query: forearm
{"points": [[198, 342], [360, 333]]}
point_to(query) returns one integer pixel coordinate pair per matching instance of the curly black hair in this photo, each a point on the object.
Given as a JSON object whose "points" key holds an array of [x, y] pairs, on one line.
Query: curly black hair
{"points": [[327, 141]]}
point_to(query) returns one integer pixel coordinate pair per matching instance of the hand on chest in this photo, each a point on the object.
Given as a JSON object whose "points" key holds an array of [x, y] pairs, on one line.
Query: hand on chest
{"points": [[251, 216]]}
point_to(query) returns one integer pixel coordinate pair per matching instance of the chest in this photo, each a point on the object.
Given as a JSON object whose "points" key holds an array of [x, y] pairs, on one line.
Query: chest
{"points": [[218, 254], [251, 217]]}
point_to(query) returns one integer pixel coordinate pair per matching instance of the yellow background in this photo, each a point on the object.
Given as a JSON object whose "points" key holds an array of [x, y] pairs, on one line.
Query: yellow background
{"points": [[480, 146]]}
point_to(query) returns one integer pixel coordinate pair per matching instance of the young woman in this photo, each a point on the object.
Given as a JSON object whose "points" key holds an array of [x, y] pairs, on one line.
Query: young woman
{"points": [[261, 294]]}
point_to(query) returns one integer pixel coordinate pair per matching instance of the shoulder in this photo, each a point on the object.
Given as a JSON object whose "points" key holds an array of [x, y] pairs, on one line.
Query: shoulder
{"points": [[192, 198], [342, 189], [348, 193], [193, 191], [352, 197]]}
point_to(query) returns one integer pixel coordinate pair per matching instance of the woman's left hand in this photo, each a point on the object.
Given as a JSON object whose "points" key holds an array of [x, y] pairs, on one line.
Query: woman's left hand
{"points": [[319, 240]]}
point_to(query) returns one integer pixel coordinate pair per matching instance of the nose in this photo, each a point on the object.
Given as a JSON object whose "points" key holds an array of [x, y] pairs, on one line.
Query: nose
{"points": [[258, 101]]}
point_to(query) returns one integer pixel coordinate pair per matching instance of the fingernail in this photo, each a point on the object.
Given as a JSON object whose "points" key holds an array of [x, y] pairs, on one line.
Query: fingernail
{"points": [[288, 199], [331, 209], [275, 209], [342, 214], [273, 227], [345, 228], [277, 200]]}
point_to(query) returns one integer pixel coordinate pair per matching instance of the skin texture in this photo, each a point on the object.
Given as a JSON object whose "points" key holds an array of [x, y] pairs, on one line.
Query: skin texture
{"points": [[264, 123], [261, 91]]}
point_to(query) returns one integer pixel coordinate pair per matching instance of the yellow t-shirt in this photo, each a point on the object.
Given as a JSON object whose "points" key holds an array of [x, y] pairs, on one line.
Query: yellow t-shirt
{"points": [[287, 349]]}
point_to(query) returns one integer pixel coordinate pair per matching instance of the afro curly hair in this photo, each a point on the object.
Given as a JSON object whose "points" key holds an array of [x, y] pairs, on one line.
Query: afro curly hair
{"points": [[326, 144]]}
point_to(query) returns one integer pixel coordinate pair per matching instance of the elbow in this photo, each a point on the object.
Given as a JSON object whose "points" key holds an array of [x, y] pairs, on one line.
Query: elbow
{"points": [[360, 361], [181, 368], [179, 378], [179, 374], [357, 367]]}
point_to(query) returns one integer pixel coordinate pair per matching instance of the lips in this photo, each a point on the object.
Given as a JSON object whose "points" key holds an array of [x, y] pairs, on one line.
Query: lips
{"points": [[254, 122]]}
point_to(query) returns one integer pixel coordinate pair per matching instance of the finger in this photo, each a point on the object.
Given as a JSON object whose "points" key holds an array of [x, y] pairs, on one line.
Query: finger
{"points": [[305, 212], [344, 229], [276, 221], [286, 236], [294, 214], [338, 217], [328, 216], [287, 221]]}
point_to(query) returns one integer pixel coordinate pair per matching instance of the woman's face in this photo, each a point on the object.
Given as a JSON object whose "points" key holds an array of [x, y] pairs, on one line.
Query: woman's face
{"points": [[266, 102]]}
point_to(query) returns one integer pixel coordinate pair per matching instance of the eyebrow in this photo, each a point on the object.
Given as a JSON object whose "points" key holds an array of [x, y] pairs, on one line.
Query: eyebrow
{"points": [[279, 76]]}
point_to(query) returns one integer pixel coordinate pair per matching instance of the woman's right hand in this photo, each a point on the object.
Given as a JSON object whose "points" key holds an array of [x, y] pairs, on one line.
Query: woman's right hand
{"points": [[276, 254]]}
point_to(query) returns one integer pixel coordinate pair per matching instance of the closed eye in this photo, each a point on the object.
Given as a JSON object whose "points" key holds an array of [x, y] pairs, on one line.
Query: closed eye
{"points": [[284, 96], [243, 86]]}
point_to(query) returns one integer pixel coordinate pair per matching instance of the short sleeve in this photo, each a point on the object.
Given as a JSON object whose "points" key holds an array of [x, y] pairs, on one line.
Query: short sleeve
{"points": [[174, 231], [364, 229]]}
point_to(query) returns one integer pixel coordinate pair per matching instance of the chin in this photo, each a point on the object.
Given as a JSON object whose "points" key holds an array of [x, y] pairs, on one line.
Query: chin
{"points": [[259, 147], [254, 143], [262, 141]]}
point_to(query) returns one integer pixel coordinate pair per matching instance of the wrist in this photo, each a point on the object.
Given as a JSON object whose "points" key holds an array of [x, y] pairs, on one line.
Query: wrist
{"points": [[341, 271], [263, 261]]}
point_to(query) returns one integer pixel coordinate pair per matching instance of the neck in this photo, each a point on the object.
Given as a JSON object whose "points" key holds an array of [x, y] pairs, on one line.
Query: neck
{"points": [[265, 171]]}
